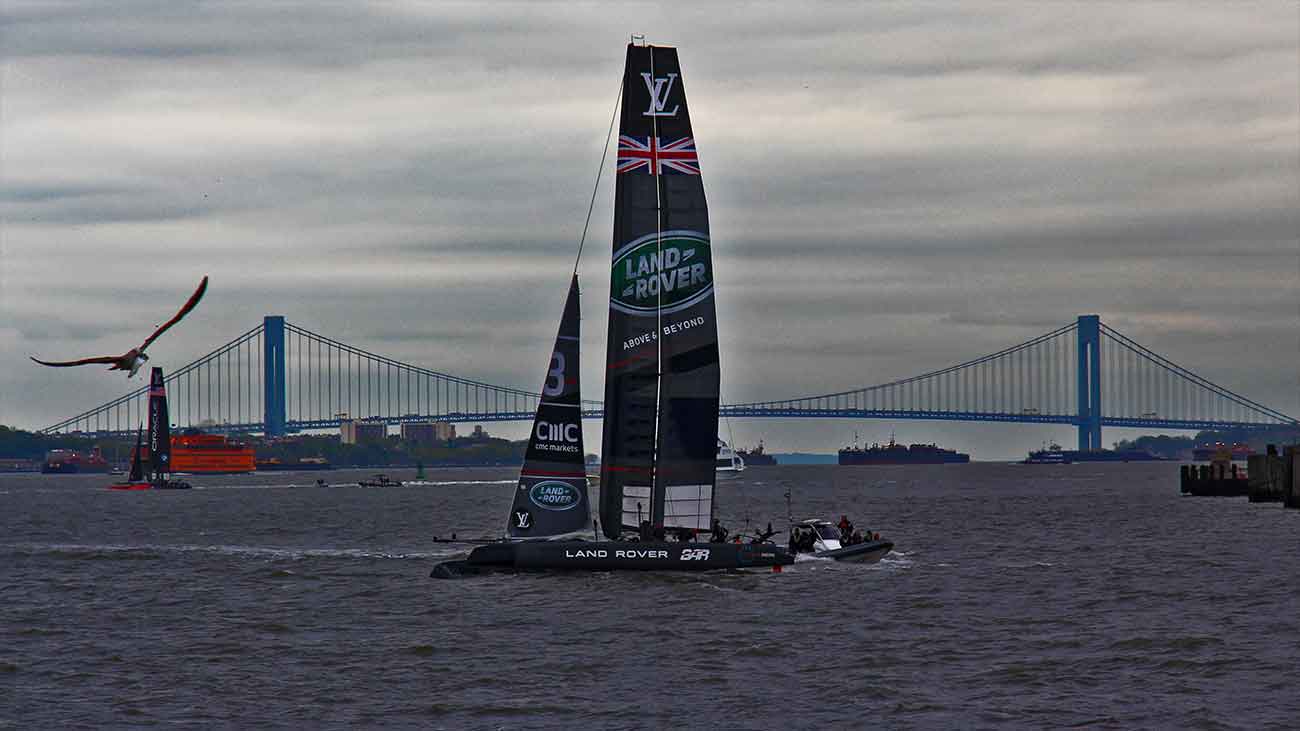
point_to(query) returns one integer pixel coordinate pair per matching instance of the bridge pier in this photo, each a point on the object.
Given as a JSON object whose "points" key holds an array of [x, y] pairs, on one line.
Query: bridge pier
{"points": [[1089, 387], [273, 414]]}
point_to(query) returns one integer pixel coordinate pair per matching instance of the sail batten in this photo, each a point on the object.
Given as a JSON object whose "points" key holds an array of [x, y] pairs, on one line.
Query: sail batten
{"points": [[662, 378], [551, 497]]}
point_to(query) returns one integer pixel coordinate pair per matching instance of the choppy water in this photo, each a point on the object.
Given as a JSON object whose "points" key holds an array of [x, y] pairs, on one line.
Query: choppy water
{"points": [[1046, 596]]}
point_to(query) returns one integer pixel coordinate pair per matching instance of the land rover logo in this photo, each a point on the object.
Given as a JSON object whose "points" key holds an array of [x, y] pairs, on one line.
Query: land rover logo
{"points": [[673, 268], [554, 495]]}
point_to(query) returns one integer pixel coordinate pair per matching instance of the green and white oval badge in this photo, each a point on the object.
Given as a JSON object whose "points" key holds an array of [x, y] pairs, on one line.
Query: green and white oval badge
{"points": [[554, 495], [672, 270]]}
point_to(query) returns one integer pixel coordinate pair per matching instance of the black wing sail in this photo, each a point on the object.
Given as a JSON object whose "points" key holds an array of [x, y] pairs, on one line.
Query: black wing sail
{"points": [[160, 440], [552, 496], [662, 380]]}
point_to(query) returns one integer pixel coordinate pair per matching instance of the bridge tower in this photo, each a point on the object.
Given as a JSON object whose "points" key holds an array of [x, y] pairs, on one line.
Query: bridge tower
{"points": [[273, 417], [1089, 390]]}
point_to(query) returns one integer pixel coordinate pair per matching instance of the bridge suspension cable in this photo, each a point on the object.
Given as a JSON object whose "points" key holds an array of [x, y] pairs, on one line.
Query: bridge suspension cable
{"points": [[279, 377]]}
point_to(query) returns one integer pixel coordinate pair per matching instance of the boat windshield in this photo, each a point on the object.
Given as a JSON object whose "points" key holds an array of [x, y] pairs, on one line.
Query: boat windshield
{"points": [[827, 532]]}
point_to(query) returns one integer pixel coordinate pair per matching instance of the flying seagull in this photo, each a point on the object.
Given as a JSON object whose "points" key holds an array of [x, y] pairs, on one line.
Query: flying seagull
{"points": [[132, 359]]}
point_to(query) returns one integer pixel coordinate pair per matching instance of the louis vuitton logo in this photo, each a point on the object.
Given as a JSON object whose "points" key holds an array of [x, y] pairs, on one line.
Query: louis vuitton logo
{"points": [[659, 88]]}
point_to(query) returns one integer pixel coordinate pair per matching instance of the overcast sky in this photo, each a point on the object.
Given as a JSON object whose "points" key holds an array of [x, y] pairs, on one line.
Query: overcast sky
{"points": [[892, 189]]}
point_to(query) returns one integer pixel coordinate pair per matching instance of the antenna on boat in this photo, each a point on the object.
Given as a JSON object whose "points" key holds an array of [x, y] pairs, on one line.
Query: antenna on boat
{"points": [[789, 510]]}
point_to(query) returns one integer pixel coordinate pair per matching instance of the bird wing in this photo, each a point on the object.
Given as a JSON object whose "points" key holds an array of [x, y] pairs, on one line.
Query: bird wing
{"points": [[83, 361], [189, 305]]}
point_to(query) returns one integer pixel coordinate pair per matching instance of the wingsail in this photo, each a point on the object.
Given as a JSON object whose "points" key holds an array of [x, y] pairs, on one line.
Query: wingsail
{"points": [[160, 439], [662, 377]]}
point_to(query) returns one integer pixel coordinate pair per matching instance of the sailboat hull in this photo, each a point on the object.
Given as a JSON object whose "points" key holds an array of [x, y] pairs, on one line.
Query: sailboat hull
{"points": [[613, 556]]}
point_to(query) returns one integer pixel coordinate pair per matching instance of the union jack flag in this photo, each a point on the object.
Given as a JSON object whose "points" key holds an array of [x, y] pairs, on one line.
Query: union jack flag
{"points": [[677, 156]]}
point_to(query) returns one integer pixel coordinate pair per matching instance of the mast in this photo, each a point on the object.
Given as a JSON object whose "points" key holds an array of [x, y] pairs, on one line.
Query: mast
{"points": [[551, 499], [662, 380], [160, 442]]}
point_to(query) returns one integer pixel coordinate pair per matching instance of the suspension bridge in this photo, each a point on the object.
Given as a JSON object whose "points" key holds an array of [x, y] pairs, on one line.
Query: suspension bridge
{"points": [[279, 378]]}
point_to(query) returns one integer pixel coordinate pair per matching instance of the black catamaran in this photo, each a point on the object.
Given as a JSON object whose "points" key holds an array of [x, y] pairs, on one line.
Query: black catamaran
{"points": [[662, 373]]}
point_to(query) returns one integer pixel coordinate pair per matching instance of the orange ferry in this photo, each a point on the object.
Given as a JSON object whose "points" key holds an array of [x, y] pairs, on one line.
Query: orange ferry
{"points": [[198, 453]]}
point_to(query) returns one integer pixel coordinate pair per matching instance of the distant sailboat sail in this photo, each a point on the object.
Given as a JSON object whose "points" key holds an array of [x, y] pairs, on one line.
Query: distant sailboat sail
{"points": [[552, 496], [160, 440], [662, 380], [137, 465]]}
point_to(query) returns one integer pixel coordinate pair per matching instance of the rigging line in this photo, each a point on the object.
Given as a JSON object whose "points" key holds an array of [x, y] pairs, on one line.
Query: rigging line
{"points": [[655, 487], [599, 169]]}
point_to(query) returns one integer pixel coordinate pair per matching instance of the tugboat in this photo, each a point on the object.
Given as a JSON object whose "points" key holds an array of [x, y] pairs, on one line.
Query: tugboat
{"points": [[821, 538]]}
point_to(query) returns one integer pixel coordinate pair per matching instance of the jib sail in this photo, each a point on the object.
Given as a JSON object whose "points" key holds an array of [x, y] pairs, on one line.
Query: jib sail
{"points": [[662, 379], [137, 465], [160, 440], [551, 499]]}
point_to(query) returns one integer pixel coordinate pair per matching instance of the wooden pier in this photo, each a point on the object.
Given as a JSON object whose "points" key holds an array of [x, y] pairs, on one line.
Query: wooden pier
{"points": [[1268, 478], [1219, 479]]}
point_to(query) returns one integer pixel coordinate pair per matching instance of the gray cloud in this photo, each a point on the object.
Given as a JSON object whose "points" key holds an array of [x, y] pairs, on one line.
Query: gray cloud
{"points": [[893, 188]]}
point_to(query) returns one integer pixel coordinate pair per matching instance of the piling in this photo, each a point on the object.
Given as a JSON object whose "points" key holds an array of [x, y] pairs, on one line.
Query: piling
{"points": [[1219, 479], [1292, 462], [1269, 481]]}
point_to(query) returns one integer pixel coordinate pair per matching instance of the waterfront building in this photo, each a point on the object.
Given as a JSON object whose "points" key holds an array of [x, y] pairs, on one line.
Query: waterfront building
{"points": [[353, 431]]}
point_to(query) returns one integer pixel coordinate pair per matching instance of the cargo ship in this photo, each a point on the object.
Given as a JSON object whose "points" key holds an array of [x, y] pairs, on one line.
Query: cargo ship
{"points": [[756, 456], [1055, 455], [197, 452], [275, 464], [1209, 452], [70, 462], [894, 453]]}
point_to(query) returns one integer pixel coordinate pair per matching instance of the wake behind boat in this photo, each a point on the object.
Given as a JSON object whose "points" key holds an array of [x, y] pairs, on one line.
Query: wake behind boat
{"points": [[662, 374]]}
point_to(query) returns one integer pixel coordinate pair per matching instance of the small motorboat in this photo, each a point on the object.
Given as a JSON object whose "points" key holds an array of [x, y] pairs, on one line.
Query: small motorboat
{"points": [[821, 538], [380, 480]]}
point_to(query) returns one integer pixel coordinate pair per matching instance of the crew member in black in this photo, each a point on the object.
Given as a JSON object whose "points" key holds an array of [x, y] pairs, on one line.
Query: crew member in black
{"points": [[719, 533]]}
